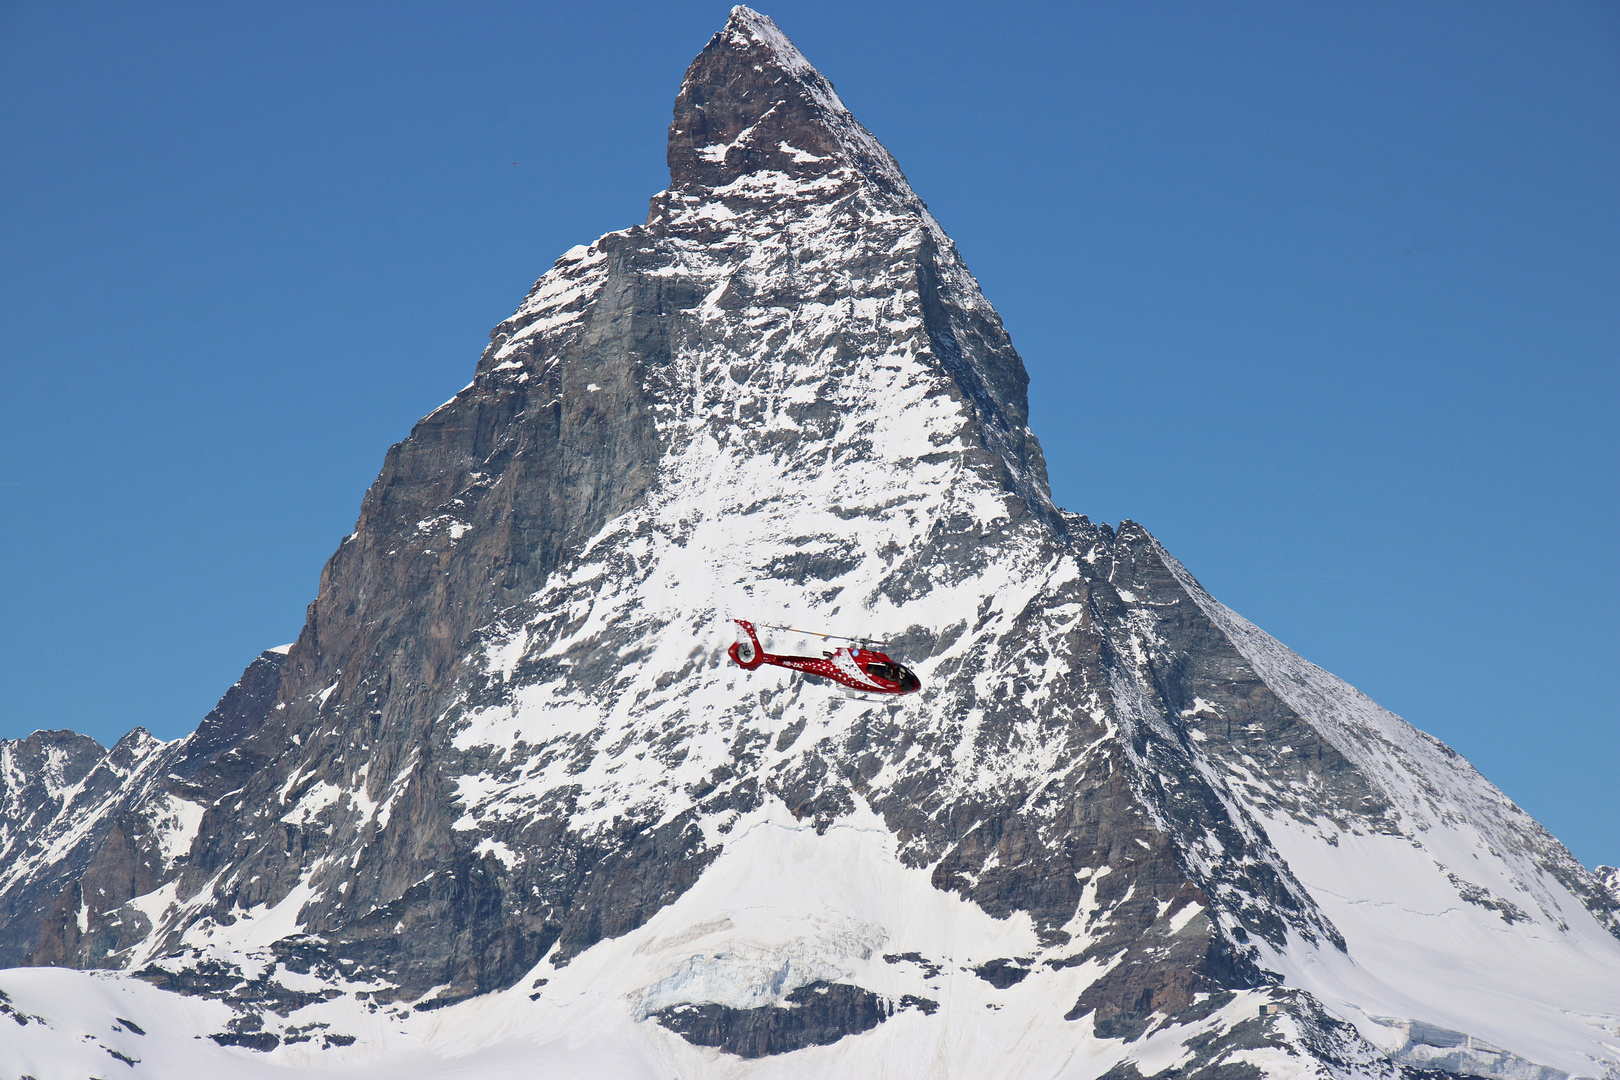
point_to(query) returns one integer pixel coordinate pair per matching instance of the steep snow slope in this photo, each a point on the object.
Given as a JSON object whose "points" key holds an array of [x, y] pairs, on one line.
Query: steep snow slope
{"points": [[1463, 914], [508, 807]]}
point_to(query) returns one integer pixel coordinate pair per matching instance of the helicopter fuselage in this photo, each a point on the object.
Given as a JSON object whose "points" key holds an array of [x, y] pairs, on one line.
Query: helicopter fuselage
{"points": [[859, 668]]}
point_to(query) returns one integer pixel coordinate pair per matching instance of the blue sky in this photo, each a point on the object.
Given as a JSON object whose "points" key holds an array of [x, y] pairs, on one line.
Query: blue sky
{"points": [[1323, 294]]}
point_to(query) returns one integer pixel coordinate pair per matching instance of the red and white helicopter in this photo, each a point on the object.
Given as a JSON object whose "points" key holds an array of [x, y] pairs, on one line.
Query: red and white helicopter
{"points": [[857, 667]]}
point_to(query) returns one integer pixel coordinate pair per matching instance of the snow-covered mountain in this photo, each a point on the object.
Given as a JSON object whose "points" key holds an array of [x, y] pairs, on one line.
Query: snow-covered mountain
{"points": [[506, 807]]}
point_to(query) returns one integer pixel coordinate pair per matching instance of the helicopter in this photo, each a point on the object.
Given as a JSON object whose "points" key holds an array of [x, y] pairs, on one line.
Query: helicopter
{"points": [[856, 666]]}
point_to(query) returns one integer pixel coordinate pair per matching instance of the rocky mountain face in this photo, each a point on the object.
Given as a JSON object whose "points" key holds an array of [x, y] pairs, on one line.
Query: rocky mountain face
{"points": [[506, 775], [67, 804], [59, 792]]}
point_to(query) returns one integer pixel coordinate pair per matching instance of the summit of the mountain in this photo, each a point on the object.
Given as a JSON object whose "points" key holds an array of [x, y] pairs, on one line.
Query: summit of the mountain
{"points": [[751, 103], [507, 801]]}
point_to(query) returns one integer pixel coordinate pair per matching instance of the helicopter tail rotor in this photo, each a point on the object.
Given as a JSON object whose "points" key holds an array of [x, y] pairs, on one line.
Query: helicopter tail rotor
{"points": [[745, 652]]}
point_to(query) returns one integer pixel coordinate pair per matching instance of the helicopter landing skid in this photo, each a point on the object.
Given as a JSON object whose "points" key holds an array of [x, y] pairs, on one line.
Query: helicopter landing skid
{"points": [[875, 699]]}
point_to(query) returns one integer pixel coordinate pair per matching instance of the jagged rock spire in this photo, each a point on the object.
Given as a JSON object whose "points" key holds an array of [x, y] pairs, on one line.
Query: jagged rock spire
{"points": [[752, 103]]}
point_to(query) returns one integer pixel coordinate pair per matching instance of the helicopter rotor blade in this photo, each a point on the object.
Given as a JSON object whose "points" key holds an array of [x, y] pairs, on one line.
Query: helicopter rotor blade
{"points": [[819, 634]]}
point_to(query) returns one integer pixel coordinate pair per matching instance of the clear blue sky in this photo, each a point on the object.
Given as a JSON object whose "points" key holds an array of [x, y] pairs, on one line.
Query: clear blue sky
{"points": [[1326, 295]]}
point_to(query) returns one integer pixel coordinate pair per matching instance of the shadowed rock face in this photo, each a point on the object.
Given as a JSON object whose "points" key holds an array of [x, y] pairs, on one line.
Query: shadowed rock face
{"points": [[49, 782], [813, 1015], [750, 104], [148, 826], [506, 734], [73, 814]]}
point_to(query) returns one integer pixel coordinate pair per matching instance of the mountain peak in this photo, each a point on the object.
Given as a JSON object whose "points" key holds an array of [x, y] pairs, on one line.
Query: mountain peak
{"points": [[761, 30], [751, 103]]}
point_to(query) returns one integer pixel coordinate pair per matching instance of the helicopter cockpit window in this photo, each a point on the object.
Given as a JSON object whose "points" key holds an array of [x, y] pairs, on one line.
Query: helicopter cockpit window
{"points": [[895, 673]]}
